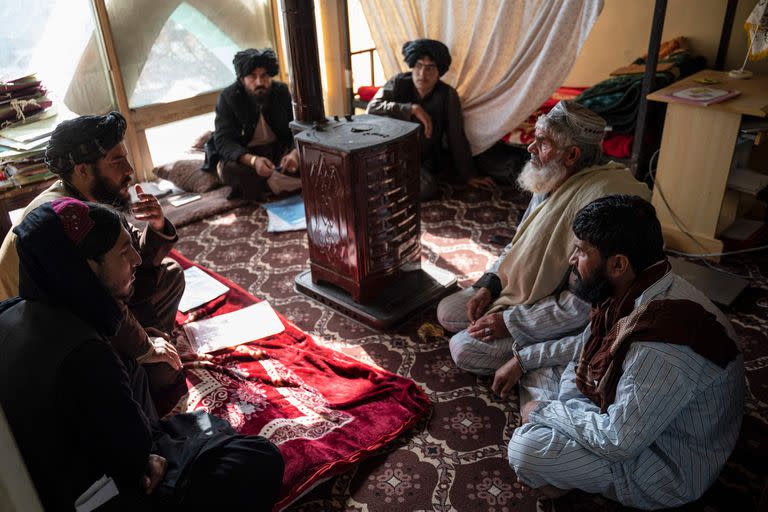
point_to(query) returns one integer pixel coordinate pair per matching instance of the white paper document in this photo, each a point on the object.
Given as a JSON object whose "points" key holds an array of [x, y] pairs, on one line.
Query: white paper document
{"points": [[199, 289], [286, 215], [232, 329], [100, 492]]}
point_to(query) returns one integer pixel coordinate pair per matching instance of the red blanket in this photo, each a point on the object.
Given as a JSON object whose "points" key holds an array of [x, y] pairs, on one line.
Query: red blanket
{"points": [[323, 409], [615, 144]]}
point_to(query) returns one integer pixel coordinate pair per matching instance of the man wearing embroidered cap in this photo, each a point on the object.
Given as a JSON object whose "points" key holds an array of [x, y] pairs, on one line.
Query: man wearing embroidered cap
{"points": [[421, 96], [522, 299], [88, 155], [80, 413], [252, 133]]}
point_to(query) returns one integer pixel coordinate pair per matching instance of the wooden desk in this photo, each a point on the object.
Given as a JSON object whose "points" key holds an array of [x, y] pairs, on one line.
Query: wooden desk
{"points": [[18, 197], [695, 160]]}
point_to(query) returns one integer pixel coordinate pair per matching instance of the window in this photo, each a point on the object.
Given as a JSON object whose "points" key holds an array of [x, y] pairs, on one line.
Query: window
{"points": [[56, 40], [169, 142], [174, 50], [366, 65]]}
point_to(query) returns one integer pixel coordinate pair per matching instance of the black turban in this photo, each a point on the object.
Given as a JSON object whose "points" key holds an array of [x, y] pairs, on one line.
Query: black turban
{"points": [[84, 139], [437, 51], [248, 60]]}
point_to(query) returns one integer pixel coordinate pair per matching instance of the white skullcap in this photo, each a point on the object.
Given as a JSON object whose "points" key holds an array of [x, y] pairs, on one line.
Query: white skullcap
{"points": [[586, 126]]}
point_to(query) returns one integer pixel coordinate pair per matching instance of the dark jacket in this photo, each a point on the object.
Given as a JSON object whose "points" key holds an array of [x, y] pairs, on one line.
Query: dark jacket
{"points": [[237, 116], [63, 389], [76, 410], [447, 152], [68, 403], [152, 247]]}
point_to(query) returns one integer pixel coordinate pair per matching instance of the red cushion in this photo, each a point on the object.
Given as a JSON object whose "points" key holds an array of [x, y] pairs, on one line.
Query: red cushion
{"points": [[367, 92]]}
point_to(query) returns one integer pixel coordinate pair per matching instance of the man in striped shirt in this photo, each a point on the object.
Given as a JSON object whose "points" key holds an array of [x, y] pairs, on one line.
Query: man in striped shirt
{"points": [[644, 406]]}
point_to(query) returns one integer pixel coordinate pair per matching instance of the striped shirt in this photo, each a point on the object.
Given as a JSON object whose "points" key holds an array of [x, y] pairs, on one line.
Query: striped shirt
{"points": [[550, 317], [666, 437]]}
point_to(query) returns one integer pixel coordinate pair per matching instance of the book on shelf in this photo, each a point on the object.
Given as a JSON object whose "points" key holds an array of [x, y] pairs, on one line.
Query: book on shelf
{"points": [[19, 83], [24, 146], [19, 168], [701, 95], [37, 126], [33, 178]]}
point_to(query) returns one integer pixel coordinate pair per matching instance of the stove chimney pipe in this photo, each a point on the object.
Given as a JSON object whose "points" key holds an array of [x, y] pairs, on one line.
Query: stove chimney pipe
{"points": [[301, 37]]}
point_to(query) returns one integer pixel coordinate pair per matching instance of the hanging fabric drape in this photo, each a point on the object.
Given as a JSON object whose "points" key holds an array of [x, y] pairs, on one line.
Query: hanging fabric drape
{"points": [[509, 56]]}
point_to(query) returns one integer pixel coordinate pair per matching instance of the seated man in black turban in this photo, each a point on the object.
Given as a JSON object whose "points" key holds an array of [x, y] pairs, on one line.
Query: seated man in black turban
{"points": [[88, 155], [421, 96], [252, 135], [78, 411]]}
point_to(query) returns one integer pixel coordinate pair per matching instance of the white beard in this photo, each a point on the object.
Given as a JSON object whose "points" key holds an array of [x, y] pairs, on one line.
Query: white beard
{"points": [[542, 180]]}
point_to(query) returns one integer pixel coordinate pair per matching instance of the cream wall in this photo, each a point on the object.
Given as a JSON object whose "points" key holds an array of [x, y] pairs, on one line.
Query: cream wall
{"points": [[621, 33]]}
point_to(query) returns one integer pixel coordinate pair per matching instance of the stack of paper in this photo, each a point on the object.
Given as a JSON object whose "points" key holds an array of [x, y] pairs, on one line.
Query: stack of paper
{"points": [[21, 98], [22, 147], [286, 215]]}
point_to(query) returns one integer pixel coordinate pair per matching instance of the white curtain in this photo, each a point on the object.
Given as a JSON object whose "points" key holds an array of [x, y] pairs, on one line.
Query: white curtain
{"points": [[509, 56]]}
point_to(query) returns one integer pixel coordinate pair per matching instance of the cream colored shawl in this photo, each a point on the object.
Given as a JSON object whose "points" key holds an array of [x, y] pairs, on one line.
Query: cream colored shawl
{"points": [[538, 259]]}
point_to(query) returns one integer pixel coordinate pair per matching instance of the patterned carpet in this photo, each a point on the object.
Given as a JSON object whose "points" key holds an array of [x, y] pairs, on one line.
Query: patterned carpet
{"points": [[455, 459]]}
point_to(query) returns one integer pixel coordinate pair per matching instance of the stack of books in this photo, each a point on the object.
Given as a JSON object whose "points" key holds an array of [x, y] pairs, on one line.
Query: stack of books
{"points": [[22, 167], [27, 119], [22, 98]]}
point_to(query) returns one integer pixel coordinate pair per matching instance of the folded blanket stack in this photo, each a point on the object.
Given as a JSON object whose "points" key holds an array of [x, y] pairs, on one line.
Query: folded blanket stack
{"points": [[617, 99]]}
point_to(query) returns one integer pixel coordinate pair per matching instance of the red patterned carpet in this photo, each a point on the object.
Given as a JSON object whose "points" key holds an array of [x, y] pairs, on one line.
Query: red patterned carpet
{"points": [[455, 459]]}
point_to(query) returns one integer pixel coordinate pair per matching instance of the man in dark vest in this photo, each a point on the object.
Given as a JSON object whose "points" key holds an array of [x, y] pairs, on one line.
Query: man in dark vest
{"points": [[252, 146], [79, 412]]}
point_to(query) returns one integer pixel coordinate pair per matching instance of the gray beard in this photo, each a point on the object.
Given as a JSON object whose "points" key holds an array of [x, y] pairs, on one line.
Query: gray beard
{"points": [[542, 180]]}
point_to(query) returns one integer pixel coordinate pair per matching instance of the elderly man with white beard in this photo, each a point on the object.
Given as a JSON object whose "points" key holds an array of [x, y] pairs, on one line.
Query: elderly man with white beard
{"points": [[523, 297]]}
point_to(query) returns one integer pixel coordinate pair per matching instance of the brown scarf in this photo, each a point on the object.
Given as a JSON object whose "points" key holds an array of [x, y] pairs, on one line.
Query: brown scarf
{"points": [[616, 324]]}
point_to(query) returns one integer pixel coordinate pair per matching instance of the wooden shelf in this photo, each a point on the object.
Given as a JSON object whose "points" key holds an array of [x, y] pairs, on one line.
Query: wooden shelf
{"points": [[752, 101], [695, 160]]}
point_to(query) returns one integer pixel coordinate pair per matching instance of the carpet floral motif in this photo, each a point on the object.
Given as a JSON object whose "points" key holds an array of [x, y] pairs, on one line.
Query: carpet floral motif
{"points": [[456, 459]]}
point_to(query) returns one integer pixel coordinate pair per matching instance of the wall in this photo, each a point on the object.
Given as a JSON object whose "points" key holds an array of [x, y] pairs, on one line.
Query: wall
{"points": [[17, 493], [621, 33]]}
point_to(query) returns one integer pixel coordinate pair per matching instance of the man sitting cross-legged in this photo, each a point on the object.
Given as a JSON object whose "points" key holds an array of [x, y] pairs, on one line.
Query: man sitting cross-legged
{"points": [[645, 405], [253, 134], [520, 300], [78, 411]]}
